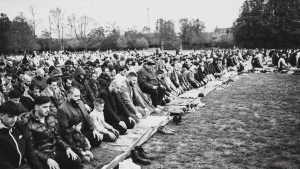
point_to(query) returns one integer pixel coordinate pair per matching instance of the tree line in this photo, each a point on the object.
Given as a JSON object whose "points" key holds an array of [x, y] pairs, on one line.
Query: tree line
{"points": [[77, 33], [268, 24], [261, 24]]}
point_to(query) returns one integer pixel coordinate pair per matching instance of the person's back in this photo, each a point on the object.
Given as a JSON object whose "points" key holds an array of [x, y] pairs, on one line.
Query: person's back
{"points": [[275, 59]]}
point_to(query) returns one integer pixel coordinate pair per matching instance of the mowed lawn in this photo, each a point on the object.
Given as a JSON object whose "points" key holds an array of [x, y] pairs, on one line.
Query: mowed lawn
{"points": [[253, 122]]}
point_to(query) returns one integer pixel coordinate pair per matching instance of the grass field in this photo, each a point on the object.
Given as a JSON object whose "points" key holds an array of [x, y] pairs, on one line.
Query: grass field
{"points": [[253, 122]]}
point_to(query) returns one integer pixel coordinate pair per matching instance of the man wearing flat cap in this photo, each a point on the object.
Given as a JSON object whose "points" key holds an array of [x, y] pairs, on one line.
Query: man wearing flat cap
{"points": [[149, 83], [49, 147]]}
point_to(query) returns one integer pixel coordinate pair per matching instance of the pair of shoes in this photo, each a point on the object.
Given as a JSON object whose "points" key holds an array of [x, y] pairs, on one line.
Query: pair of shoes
{"points": [[177, 120], [138, 155], [167, 100], [164, 130], [193, 105], [187, 106], [176, 113], [143, 153]]}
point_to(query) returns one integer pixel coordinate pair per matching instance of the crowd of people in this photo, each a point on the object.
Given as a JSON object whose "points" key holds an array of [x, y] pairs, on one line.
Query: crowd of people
{"points": [[56, 106]]}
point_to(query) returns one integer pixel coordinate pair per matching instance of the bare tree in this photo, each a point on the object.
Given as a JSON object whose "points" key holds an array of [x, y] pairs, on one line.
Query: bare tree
{"points": [[57, 19], [33, 21], [80, 28], [50, 27]]}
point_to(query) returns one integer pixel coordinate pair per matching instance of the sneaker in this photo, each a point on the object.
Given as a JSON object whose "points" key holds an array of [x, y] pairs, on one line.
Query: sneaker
{"points": [[177, 120]]}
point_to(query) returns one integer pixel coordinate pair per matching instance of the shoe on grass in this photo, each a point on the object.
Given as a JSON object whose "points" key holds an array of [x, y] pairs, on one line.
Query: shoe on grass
{"points": [[164, 130], [136, 158], [144, 154]]}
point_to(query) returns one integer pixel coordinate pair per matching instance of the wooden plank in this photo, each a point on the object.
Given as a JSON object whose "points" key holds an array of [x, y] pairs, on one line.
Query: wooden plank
{"points": [[148, 134]]}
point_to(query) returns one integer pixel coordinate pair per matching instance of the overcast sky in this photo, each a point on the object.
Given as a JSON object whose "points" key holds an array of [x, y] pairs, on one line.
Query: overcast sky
{"points": [[129, 13]]}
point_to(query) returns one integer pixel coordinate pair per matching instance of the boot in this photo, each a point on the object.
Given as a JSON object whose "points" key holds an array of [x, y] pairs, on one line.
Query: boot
{"points": [[143, 154], [177, 120], [167, 100], [137, 159]]}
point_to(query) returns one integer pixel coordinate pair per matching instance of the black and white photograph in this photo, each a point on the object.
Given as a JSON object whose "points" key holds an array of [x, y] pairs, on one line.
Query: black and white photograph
{"points": [[149, 84]]}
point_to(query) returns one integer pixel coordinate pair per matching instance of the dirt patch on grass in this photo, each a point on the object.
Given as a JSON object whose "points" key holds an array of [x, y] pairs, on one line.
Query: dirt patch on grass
{"points": [[253, 123]]}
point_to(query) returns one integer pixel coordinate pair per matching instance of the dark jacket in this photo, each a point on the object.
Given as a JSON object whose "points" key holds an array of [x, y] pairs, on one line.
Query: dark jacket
{"points": [[174, 79], [39, 82], [95, 88], [183, 81], [76, 140], [104, 80], [114, 109], [146, 79], [210, 68], [231, 62], [219, 68], [200, 74], [67, 111], [10, 69], [45, 136], [27, 100], [15, 147], [163, 83], [189, 76], [18, 86], [82, 85]]}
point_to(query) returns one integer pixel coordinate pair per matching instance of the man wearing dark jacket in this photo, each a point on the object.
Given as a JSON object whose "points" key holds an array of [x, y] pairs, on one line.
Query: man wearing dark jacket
{"points": [[81, 83], [74, 107], [201, 73], [39, 80], [115, 112], [149, 83], [15, 145], [27, 99], [10, 69], [49, 148], [104, 79]]}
